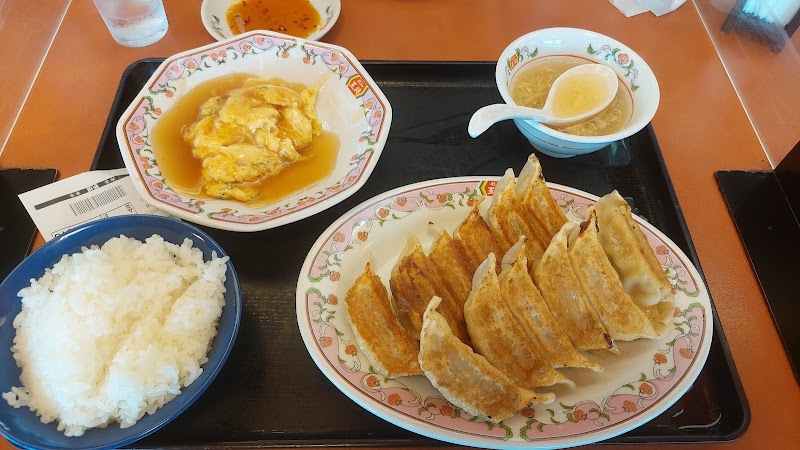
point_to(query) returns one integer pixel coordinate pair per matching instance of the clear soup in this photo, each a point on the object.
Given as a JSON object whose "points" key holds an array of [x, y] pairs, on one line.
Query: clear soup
{"points": [[531, 85]]}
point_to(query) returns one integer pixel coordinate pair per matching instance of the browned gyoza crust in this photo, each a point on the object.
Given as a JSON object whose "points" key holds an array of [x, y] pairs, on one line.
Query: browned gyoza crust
{"points": [[465, 378], [532, 313], [496, 335], [540, 206], [391, 350], [620, 316], [634, 260], [476, 239], [561, 289], [414, 281], [455, 277], [508, 220]]}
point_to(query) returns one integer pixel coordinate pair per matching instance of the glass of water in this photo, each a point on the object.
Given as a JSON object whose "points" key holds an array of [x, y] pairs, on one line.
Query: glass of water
{"points": [[134, 23]]}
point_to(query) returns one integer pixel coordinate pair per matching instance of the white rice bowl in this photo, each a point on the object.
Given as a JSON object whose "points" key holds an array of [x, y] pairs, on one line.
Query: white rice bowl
{"points": [[115, 332]]}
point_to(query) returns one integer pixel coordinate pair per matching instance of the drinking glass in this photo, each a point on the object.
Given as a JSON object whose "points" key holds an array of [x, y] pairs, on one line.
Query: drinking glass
{"points": [[134, 23]]}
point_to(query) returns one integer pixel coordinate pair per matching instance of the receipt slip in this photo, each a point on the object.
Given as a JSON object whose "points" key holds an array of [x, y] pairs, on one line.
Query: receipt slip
{"points": [[65, 204]]}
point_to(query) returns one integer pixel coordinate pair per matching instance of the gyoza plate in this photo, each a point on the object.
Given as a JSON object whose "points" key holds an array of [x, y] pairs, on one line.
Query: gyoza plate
{"points": [[635, 387]]}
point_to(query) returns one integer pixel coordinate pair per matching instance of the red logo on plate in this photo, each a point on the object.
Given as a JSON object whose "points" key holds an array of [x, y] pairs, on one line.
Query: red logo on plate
{"points": [[487, 187], [357, 85]]}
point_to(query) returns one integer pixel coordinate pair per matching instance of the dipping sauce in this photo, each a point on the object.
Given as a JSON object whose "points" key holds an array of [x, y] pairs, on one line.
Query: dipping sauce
{"points": [[532, 84], [295, 17], [182, 171]]}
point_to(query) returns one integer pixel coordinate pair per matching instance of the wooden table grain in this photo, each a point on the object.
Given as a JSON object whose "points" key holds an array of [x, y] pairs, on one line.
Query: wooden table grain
{"points": [[700, 124]]}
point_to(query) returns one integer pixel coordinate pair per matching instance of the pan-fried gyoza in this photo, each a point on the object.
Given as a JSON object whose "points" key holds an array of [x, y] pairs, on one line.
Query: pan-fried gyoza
{"points": [[476, 239], [496, 335], [487, 340], [465, 378], [508, 220], [453, 267], [532, 313], [538, 203], [562, 291], [391, 350], [621, 317], [414, 281], [632, 257]]}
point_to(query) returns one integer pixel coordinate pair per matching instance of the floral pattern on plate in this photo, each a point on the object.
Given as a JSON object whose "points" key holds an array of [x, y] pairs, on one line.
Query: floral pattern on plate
{"points": [[618, 57], [605, 53], [360, 143], [648, 378]]}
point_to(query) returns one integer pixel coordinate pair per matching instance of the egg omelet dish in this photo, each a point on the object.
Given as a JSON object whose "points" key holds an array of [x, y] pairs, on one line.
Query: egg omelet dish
{"points": [[250, 133]]}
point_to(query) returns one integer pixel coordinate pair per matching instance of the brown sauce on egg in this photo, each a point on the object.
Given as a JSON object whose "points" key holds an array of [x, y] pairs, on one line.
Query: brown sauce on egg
{"points": [[181, 170]]}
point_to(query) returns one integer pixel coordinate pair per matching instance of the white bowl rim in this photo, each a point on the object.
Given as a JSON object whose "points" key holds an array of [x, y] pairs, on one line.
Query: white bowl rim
{"points": [[317, 35], [301, 214], [629, 130]]}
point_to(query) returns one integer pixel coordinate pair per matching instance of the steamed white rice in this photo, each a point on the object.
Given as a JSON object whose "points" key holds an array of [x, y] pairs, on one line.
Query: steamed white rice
{"points": [[115, 332]]}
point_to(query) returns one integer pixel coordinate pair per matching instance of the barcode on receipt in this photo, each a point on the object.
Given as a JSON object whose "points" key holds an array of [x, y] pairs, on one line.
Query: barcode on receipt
{"points": [[97, 200]]}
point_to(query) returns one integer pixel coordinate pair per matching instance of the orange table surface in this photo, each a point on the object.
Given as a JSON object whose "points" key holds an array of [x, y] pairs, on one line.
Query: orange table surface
{"points": [[700, 124]]}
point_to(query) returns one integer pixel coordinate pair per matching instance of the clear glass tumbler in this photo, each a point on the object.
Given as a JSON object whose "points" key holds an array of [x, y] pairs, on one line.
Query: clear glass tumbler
{"points": [[134, 23]]}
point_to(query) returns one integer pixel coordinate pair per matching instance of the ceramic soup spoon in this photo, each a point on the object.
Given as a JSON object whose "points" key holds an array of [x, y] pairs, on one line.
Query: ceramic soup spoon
{"points": [[577, 94]]}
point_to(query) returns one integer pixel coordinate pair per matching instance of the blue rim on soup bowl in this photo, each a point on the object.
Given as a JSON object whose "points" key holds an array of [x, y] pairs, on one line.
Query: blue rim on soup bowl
{"points": [[22, 427], [631, 69]]}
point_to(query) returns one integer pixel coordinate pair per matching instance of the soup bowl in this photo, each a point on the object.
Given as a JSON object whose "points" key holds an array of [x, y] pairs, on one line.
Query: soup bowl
{"points": [[634, 73]]}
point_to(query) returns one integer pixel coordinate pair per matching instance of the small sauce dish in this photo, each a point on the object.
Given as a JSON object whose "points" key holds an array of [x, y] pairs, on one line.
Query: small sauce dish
{"points": [[214, 16]]}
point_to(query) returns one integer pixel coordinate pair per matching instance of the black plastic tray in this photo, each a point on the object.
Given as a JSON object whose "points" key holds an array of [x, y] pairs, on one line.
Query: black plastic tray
{"points": [[270, 393]]}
